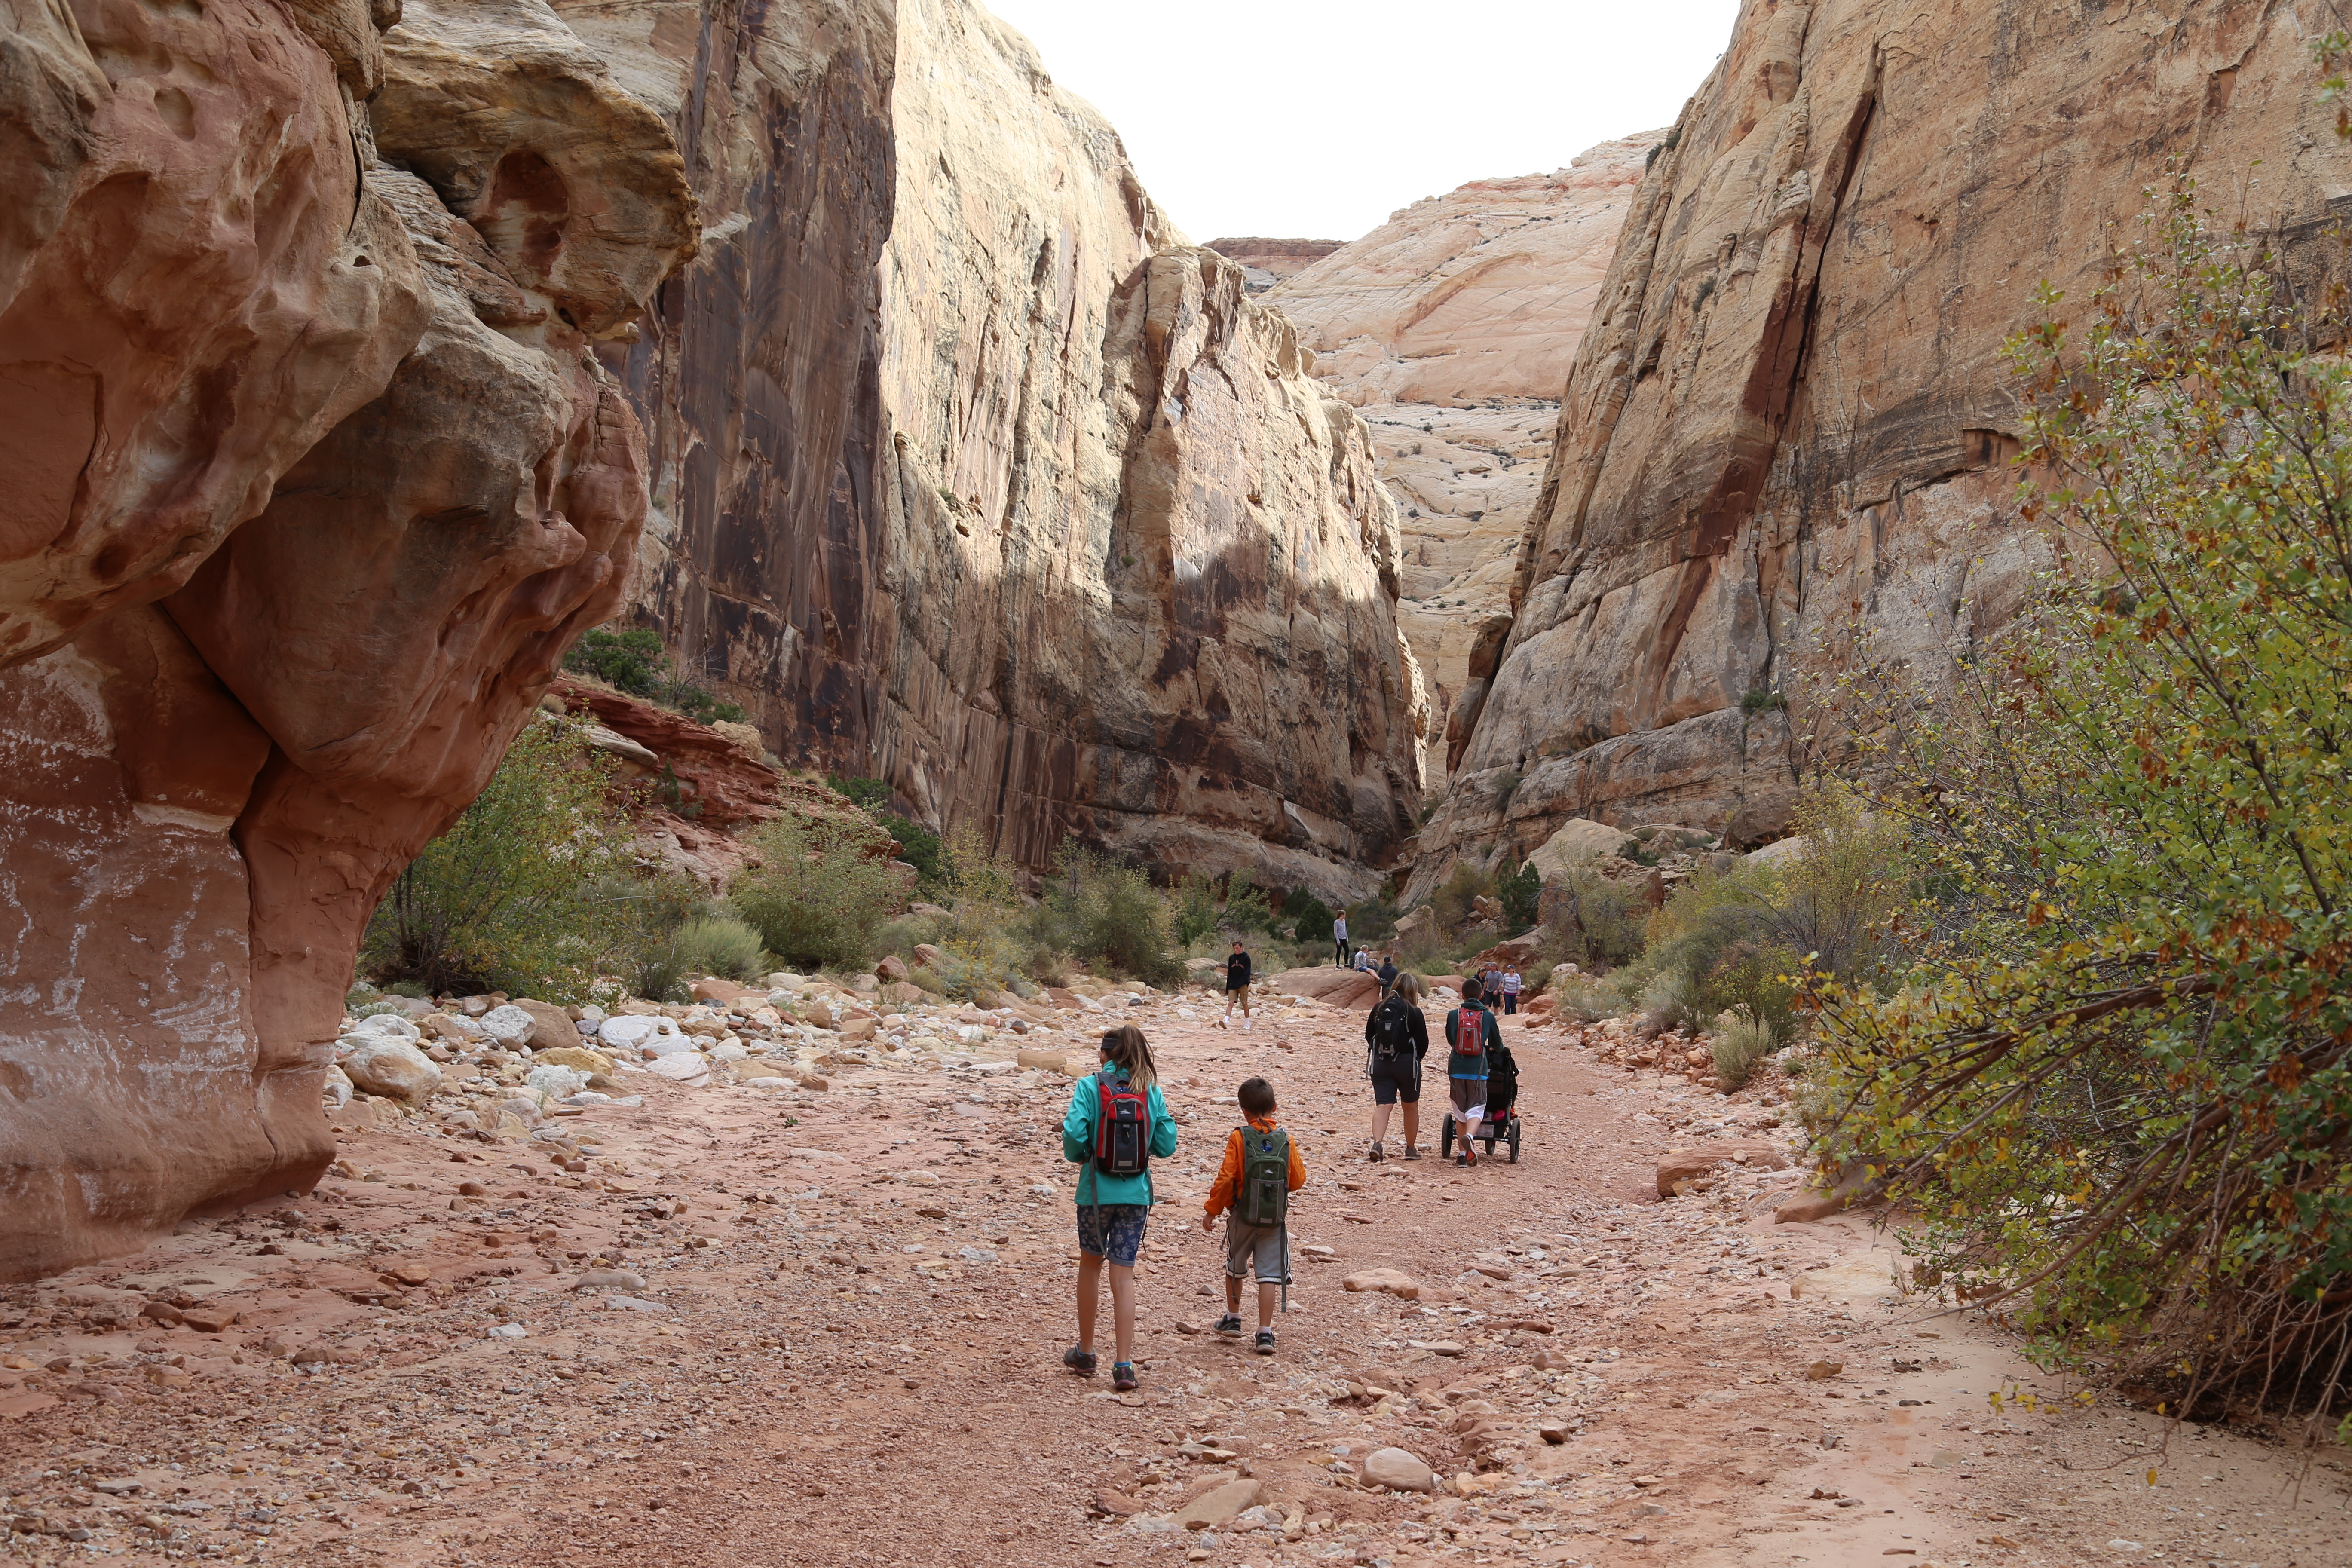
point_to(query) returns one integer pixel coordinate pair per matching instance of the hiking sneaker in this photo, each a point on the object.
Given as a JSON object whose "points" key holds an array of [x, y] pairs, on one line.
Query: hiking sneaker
{"points": [[1378, 1154], [1122, 1374], [1462, 1158], [1469, 1156], [1264, 1343], [1079, 1361], [1413, 1152], [1231, 1324], [1248, 1025]]}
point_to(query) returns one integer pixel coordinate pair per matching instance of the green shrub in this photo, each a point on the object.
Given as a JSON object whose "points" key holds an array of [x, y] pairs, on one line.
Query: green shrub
{"points": [[1453, 903], [1197, 909], [630, 660], [1307, 915], [633, 661], [496, 902], [1741, 1043], [1371, 919], [919, 847], [718, 946], [1107, 914], [820, 894], [1246, 906], [867, 793], [1596, 921], [1521, 892]]}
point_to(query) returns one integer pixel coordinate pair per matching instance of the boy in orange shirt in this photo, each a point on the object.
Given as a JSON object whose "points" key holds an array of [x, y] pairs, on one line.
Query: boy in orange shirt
{"points": [[1261, 1170]]}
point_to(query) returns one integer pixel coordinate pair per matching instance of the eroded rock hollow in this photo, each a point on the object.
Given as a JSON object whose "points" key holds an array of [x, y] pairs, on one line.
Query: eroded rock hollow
{"points": [[1792, 408], [314, 477]]}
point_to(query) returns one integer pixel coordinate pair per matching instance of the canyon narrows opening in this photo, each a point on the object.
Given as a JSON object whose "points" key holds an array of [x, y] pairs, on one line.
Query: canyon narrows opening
{"points": [[655, 658]]}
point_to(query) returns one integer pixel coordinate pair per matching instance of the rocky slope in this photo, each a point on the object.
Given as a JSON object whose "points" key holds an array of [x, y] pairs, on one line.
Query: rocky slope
{"points": [[316, 481], [1452, 328], [1792, 405], [1050, 529]]}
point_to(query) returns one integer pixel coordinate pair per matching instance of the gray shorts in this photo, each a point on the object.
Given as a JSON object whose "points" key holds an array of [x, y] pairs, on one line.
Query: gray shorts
{"points": [[1261, 1244]]}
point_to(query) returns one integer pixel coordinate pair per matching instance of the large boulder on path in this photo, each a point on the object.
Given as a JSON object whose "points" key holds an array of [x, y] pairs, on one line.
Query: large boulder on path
{"points": [[1577, 841], [1389, 1281], [552, 1027]]}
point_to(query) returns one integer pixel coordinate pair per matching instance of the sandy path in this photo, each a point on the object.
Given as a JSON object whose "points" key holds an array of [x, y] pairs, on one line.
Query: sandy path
{"points": [[847, 1345]]}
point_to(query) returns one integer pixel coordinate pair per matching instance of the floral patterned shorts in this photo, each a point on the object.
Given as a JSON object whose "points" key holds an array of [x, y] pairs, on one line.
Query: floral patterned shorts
{"points": [[1112, 1230]]}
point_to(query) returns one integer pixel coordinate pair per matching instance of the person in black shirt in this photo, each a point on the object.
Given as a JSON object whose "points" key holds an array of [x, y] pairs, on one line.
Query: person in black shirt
{"points": [[1238, 987], [1387, 974], [1396, 1037]]}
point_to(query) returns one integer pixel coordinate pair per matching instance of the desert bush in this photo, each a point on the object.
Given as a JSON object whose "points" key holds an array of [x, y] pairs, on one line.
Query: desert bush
{"points": [[820, 895], [1596, 923], [1309, 917], [1371, 919], [720, 946], [1741, 1042], [1247, 907], [633, 660], [1452, 904], [496, 902], [1107, 914], [2116, 1073]]}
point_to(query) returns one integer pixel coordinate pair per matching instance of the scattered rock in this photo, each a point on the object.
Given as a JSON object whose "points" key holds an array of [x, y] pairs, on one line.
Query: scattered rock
{"points": [[551, 1026], [610, 1279], [1823, 1371], [891, 970], [394, 1069], [1220, 1504], [1389, 1281], [1400, 1470], [579, 1057], [513, 1028]]}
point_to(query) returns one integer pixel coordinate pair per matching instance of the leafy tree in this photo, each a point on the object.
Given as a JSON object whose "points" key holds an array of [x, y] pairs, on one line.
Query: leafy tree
{"points": [[630, 660], [820, 892], [2115, 1076], [1521, 892], [502, 900], [1109, 914]]}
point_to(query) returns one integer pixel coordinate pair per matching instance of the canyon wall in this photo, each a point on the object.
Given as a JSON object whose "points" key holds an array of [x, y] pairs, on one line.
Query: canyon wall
{"points": [[1452, 328], [1791, 409], [316, 479], [1083, 548]]}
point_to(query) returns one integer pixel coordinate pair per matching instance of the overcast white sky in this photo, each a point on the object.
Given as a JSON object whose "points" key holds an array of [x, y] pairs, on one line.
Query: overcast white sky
{"points": [[1317, 118]]}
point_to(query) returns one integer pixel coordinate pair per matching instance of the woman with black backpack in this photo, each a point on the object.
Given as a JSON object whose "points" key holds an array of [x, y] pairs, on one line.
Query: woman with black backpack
{"points": [[1396, 1037], [1115, 1126]]}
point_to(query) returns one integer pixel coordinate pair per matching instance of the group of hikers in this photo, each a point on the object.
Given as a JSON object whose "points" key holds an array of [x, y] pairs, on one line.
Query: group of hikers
{"points": [[1118, 1123]]}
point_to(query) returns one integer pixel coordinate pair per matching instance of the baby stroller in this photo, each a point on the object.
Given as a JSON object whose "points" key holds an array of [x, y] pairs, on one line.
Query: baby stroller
{"points": [[1502, 1120]]}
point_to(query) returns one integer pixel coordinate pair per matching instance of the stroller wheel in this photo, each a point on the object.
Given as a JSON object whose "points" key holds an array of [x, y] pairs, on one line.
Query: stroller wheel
{"points": [[1515, 1141]]}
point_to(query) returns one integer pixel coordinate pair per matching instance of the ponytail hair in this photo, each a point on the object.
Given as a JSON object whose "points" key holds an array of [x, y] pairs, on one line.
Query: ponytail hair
{"points": [[1125, 1046]]}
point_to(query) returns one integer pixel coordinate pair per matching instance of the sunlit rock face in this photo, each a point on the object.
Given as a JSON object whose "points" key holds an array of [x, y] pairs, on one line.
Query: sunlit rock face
{"points": [[1451, 328], [340, 480], [971, 474], [1791, 416]]}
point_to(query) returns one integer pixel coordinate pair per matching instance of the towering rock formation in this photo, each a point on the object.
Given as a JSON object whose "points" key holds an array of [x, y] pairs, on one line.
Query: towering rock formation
{"points": [[315, 481], [1452, 328], [1792, 405], [1085, 552]]}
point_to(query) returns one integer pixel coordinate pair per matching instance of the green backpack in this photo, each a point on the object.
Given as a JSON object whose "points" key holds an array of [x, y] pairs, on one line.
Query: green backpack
{"points": [[1264, 1195]]}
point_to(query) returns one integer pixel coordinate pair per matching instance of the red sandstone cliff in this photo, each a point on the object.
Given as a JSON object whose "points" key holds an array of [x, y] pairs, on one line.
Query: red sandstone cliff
{"points": [[316, 480], [1792, 405]]}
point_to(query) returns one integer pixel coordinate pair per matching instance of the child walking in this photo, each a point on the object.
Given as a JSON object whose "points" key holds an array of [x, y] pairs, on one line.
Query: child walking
{"points": [[1261, 1170], [1115, 1126]]}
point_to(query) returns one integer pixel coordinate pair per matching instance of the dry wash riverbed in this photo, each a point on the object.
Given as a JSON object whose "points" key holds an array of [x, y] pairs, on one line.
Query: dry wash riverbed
{"points": [[841, 1344]]}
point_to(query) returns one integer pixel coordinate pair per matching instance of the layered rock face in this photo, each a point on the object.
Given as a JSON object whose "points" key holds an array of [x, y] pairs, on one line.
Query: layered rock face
{"points": [[1452, 328], [1083, 550], [323, 480], [1793, 409], [1266, 262]]}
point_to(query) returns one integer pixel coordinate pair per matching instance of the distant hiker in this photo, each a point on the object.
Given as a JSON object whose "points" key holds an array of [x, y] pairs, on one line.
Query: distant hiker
{"points": [[1470, 1032], [1115, 1126], [1363, 961], [1237, 985], [1261, 1170], [1339, 938], [1511, 983], [1396, 1038], [1388, 973]]}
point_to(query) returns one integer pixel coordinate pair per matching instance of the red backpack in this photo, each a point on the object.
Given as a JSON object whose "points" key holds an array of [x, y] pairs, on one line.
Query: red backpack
{"points": [[1122, 1128], [1469, 1031]]}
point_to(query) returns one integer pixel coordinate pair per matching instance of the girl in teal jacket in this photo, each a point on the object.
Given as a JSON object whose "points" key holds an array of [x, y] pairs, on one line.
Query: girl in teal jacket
{"points": [[1112, 1209]]}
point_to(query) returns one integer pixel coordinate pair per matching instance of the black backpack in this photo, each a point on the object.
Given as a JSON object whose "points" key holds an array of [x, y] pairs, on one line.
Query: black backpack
{"points": [[1392, 1029]]}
